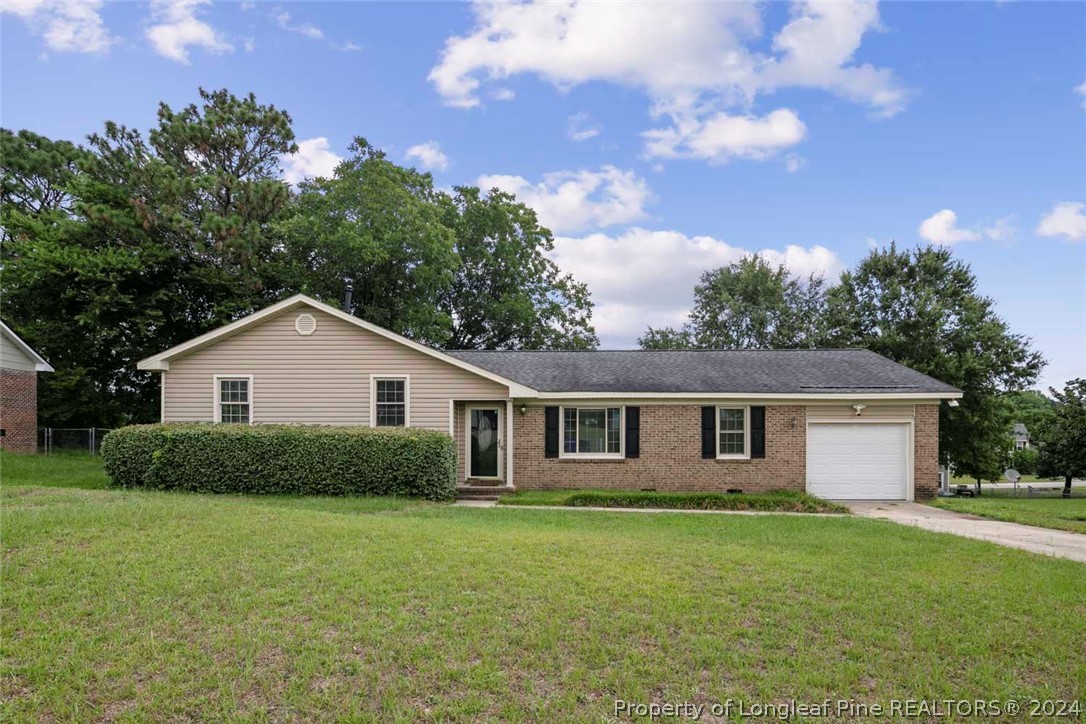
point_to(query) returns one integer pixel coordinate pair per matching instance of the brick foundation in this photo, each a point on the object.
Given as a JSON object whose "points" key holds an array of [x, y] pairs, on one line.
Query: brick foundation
{"points": [[19, 410], [670, 456]]}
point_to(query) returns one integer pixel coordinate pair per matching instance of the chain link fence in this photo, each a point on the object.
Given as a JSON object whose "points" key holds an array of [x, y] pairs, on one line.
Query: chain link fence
{"points": [[71, 439]]}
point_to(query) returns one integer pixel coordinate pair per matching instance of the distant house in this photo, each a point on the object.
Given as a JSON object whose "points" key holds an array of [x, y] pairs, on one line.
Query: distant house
{"points": [[841, 423], [19, 368], [1021, 437]]}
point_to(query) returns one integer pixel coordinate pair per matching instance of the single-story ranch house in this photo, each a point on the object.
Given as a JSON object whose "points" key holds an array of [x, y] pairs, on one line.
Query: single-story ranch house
{"points": [[841, 423]]}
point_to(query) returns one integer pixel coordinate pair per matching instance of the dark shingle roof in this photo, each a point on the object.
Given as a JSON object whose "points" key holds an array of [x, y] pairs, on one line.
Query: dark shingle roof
{"points": [[810, 371]]}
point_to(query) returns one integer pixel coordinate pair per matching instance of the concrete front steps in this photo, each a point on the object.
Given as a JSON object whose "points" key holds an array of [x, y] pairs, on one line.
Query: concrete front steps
{"points": [[481, 492]]}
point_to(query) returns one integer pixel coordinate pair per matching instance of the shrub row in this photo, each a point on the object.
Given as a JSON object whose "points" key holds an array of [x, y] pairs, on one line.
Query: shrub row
{"points": [[283, 459], [777, 501]]}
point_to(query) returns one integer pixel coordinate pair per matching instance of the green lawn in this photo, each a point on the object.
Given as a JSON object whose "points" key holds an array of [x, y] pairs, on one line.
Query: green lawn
{"points": [[780, 501], [1048, 512], [120, 604]]}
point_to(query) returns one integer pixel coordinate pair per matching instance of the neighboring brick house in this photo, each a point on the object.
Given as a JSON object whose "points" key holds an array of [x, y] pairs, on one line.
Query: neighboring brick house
{"points": [[840, 423], [19, 368]]}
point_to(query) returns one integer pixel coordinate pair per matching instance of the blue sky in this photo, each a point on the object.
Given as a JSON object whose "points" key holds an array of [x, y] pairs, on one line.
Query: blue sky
{"points": [[657, 140]]}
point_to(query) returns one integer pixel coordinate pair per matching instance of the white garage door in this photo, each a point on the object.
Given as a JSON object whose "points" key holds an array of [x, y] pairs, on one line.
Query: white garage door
{"points": [[858, 461]]}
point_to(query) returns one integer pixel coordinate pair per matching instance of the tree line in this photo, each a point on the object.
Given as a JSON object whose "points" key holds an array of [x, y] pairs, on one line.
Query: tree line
{"points": [[130, 244], [919, 307]]}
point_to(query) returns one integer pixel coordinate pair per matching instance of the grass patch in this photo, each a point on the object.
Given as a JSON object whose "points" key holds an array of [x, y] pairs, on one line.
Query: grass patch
{"points": [[1050, 512], [144, 605], [779, 501], [56, 470]]}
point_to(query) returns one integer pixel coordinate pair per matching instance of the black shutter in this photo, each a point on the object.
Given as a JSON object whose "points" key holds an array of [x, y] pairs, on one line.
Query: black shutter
{"points": [[550, 435], [633, 432], [708, 432], [757, 432]]}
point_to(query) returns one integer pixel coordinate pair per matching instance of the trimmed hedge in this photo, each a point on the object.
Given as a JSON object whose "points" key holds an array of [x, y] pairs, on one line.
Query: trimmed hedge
{"points": [[787, 501], [282, 459]]}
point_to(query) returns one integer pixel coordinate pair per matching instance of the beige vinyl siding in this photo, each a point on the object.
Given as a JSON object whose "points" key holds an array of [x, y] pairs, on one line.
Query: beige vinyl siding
{"points": [[320, 379], [873, 411], [13, 358]]}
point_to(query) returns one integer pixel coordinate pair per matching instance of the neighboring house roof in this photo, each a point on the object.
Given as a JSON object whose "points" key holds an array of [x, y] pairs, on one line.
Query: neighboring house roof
{"points": [[813, 372], [40, 365], [161, 361], [1020, 432]]}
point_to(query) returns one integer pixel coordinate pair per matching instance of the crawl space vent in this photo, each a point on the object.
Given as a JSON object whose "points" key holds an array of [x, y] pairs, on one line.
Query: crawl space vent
{"points": [[305, 324]]}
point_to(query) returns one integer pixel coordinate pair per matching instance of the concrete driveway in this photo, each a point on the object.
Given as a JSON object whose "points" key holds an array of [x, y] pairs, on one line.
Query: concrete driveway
{"points": [[1014, 535]]}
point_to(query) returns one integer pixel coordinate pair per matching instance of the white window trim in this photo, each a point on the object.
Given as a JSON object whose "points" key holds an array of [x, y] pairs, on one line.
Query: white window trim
{"points": [[746, 432], [217, 412], [591, 456], [406, 397], [467, 441]]}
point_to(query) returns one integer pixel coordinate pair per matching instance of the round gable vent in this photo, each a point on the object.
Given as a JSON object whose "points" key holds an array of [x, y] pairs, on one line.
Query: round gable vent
{"points": [[305, 324]]}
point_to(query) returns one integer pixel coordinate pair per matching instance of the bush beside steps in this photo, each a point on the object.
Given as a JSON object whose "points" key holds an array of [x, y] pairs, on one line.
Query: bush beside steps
{"points": [[787, 501], [282, 459]]}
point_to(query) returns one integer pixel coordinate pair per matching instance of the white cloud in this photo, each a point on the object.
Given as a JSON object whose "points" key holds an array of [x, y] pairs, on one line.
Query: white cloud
{"points": [[697, 62], [309, 30], [722, 137], [1081, 90], [313, 159], [429, 155], [1002, 229], [582, 127], [646, 278], [350, 46], [503, 94], [1066, 219], [64, 26], [942, 228], [570, 201], [177, 28], [793, 163], [249, 44]]}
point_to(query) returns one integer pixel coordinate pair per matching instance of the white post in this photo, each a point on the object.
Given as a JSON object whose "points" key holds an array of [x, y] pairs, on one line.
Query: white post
{"points": [[509, 443]]}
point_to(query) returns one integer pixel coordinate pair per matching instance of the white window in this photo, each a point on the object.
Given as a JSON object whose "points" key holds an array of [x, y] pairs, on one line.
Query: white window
{"points": [[234, 399], [592, 431], [733, 432], [390, 396]]}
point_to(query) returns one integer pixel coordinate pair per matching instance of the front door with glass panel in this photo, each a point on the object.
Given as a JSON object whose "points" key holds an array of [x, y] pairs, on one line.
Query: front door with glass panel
{"points": [[484, 442]]}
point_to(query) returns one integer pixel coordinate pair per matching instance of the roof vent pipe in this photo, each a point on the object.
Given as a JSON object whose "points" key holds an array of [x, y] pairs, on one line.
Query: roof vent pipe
{"points": [[348, 295]]}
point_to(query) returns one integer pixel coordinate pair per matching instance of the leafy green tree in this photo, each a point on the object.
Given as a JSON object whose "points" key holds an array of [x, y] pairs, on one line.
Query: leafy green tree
{"points": [[506, 293], [36, 173], [921, 308], [1025, 461], [378, 227], [751, 304], [666, 338], [1029, 407], [1061, 438], [138, 246]]}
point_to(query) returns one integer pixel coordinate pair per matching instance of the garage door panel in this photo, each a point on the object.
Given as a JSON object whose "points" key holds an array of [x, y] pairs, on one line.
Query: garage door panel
{"points": [[858, 461]]}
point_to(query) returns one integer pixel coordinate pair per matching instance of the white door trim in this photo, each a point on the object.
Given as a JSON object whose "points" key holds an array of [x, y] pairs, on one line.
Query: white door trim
{"points": [[467, 441]]}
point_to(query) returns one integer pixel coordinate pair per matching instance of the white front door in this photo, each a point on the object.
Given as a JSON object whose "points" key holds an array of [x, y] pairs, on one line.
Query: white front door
{"points": [[858, 461], [484, 442]]}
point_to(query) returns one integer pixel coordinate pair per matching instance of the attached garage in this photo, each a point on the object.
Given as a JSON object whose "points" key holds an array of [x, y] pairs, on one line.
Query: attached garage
{"points": [[859, 460]]}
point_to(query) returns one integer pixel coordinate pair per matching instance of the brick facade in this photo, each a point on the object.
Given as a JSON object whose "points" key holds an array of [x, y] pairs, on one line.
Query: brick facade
{"points": [[671, 459], [19, 410], [670, 456], [926, 452]]}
